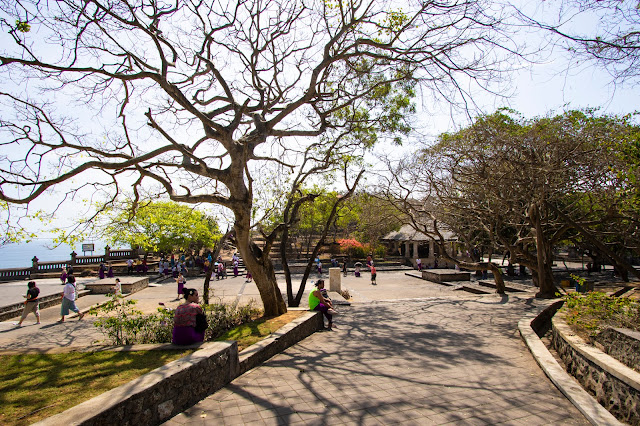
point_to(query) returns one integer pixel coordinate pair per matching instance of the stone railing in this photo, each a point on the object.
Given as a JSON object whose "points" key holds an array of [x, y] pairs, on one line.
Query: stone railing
{"points": [[55, 266], [87, 260], [614, 385], [39, 267], [15, 274], [122, 254]]}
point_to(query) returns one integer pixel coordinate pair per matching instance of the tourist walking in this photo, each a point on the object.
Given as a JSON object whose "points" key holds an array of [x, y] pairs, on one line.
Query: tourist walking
{"points": [[101, 270], [69, 296], [63, 276], [181, 280], [117, 288], [373, 274], [235, 267], [31, 304]]}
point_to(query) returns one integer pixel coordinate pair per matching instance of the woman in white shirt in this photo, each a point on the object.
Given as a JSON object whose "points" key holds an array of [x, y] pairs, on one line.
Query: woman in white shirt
{"points": [[69, 296]]}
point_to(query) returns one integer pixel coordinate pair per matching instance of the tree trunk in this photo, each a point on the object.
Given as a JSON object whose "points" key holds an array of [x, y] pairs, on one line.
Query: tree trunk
{"points": [[285, 266], [207, 278], [544, 272], [260, 266]]}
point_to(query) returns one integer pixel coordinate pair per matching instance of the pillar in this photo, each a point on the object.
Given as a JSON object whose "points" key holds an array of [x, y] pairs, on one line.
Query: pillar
{"points": [[335, 277]]}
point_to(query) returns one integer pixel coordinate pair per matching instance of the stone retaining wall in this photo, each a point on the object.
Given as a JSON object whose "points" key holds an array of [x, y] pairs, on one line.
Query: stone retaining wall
{"points": [[614, 385], [166, 391], [622, 344]]}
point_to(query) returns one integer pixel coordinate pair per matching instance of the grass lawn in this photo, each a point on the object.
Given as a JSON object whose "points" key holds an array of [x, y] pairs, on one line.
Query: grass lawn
{"points": [[254, 331], [36, 386]]}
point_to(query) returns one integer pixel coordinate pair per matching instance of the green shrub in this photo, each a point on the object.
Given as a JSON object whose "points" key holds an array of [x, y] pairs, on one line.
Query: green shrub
{"points": [[125, 325], [594, 311]]}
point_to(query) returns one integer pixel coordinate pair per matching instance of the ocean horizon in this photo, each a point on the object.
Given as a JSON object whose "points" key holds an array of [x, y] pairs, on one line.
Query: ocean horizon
{"points": [[19, 255]]}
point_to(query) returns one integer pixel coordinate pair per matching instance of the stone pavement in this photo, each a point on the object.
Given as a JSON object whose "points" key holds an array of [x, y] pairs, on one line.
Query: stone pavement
{"points": [[450, 359], [407, 352]]}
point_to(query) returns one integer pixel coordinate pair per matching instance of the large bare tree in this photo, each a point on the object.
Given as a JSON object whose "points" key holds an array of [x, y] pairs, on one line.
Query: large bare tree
{"points": [[604, 32], [526, 186], [186, 98]]}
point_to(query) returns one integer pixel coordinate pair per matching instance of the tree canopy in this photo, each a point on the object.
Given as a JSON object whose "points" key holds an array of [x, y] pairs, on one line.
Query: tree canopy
{"points": [[163, 226], [525, 186]]}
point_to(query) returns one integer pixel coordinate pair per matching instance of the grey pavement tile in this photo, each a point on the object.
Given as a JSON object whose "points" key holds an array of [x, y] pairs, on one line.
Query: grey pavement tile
{"points": [[471, 421], [252, 417], [251, 408], [274, 421], [292, 418], [234, 420], [231, 411]]}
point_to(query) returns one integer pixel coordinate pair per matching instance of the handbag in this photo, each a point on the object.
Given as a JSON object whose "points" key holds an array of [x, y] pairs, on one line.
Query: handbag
{"points": [[201, 323]]}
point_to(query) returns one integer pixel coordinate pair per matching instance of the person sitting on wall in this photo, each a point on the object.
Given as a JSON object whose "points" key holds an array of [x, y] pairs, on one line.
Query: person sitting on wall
{"points": [[317, 302], [189, 320]]}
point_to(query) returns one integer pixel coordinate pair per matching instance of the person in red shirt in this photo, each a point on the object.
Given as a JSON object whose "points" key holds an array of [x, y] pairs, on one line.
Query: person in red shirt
{"points": [[373, 274]]}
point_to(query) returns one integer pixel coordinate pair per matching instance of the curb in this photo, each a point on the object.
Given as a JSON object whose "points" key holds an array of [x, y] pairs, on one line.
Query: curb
{"points": [[581, 399]]}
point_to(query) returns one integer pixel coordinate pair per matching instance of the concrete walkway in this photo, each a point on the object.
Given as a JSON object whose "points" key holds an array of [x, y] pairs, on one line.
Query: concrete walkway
{"points": [[406, 352]]}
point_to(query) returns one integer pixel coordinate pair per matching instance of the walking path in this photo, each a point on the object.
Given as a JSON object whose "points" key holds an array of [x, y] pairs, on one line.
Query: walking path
{"points": [[440, 360], [406, 352]]}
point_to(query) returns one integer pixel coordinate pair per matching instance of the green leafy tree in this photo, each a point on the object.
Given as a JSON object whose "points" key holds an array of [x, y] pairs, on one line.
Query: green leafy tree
{"points": [[163, 226]]}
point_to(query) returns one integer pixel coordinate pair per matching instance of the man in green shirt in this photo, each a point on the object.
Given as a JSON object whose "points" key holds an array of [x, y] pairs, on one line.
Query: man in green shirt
{"points": [[318, 303]]}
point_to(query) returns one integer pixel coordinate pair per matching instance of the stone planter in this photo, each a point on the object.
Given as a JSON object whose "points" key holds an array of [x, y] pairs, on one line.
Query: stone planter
{"points": [[614, 385]]}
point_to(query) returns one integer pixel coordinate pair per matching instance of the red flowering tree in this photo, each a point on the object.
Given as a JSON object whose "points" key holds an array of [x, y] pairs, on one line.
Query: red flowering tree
{"points": [[352, 247]]}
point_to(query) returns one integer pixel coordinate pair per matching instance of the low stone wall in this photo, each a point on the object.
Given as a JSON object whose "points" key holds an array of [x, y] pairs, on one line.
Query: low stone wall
{"points": [[159, 394], [166, 391], [442, 275], [106, 286], [614, 385], [622, 344], [286, 336]]}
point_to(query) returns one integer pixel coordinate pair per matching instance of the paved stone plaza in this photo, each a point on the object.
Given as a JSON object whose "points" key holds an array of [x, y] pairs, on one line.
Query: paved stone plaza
{"points": [[442, 360], [406, 352]]}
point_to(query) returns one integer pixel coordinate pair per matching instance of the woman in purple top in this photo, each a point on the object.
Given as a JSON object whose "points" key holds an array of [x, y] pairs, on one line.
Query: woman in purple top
{"points": [[189, 320]]}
